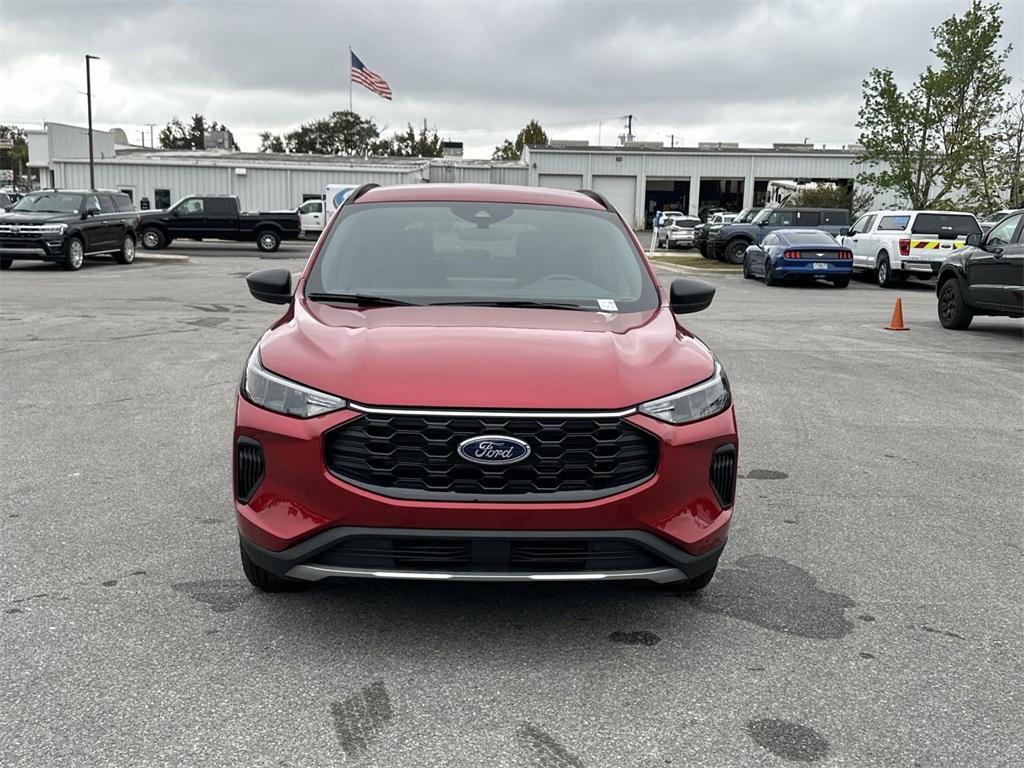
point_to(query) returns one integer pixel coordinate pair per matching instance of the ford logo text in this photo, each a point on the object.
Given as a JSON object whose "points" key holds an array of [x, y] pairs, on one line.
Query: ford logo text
{"points": [[494, 449]]}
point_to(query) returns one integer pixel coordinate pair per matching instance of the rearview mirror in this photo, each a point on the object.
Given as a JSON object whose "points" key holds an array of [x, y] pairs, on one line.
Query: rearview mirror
{"points": [[974, 239], [687, 295], [273, 286]]}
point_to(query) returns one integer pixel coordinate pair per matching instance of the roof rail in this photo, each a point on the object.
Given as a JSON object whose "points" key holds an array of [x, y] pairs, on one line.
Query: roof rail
{"points": [[597, 197], [360, 191]]}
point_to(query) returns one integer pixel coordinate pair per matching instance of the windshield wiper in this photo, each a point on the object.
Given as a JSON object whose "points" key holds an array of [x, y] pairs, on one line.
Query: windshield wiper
{"points": [[363, 299], [528, 303]]}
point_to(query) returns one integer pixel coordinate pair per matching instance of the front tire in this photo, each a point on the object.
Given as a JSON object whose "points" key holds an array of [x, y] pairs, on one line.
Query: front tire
{"points": [[262, 579], [747, 274], [704, 251], [735, 251], [769, 278], [268, 241], [74, 255], [127, 253], [954, 313], [153, 239]]}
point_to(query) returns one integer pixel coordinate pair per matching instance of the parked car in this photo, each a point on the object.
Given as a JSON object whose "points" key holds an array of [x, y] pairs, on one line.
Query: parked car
{"points": [[481, 382], [895, 244], [67, 226], [677, 232], [986, 277], [701, 233], [311, 218], [722, 218], [798, 254], [6, 202], [217, 217], [661, 218], [992, 219], [730, 243]]}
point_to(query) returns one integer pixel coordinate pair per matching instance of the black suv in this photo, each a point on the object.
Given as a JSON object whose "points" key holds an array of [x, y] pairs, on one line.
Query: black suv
{"points": [[986, 277], [65, 226], [731, 241]]}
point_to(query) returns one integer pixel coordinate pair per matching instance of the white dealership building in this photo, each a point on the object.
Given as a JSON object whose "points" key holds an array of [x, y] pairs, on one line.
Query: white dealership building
{"points": [[638, 178]]}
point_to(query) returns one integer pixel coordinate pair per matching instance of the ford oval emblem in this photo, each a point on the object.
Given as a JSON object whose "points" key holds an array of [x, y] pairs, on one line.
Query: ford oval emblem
{"points": [[494, 449]]}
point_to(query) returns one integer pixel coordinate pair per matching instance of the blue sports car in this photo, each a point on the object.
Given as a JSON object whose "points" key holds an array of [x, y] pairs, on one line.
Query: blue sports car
{"points": [[791, 254]]}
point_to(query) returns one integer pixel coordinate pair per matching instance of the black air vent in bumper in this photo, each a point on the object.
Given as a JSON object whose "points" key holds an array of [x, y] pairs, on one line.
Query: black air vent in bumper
{"points": [[248, 468], [526, 555], [723, 474]]}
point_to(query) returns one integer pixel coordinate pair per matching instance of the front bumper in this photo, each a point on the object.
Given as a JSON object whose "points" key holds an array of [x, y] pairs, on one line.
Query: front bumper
{"points": [[36, 249], [298, 504], [315, 559]]}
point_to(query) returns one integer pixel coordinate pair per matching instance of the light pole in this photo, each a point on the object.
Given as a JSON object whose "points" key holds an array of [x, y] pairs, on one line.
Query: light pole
{"points": [[88, 99]]}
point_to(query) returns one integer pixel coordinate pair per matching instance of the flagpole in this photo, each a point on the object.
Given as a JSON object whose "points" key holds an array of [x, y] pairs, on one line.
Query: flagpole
{"points": [[350, 78]]}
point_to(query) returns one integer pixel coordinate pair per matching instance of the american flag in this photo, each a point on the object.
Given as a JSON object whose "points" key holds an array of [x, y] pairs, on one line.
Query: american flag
{"points": [[370, 79]]}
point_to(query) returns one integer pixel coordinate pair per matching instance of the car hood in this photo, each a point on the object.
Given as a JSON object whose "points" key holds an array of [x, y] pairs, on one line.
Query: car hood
{"points": [[486, 357], [28, 217]]}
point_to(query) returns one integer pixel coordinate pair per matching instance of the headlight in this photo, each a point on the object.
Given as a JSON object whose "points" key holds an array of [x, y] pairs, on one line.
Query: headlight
{"points": [[698, 402], [52, 229], [270, 391]]}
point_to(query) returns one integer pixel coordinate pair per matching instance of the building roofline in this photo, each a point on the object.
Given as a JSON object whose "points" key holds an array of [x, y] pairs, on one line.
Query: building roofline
{"points": [[741, 151]]}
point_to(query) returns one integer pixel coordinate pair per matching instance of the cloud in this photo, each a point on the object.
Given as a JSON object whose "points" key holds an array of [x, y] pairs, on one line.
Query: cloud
{"points": [[754, 72]]}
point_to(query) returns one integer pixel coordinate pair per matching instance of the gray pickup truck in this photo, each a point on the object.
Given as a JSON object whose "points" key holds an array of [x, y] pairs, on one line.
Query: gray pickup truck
{"points": [[731, 241], [217, 217]]}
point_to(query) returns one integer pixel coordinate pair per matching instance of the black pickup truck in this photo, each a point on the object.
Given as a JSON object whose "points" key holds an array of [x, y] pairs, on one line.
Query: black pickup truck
{"points": [[217, 217], [65, 226]]}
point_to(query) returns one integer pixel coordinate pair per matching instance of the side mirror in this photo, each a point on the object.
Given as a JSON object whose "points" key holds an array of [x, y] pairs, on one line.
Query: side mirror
{"points": [[175, 213], [688, 295], [974, 239], [273, 286], [92, 210], [844, 232]]}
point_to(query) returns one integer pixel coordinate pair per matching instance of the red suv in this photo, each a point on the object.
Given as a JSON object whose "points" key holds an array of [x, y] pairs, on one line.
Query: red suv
{"points": [[481, 383]]}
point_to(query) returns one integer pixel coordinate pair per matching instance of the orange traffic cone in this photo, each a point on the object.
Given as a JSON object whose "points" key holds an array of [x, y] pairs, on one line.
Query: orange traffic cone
{"points": [[896, 324]]}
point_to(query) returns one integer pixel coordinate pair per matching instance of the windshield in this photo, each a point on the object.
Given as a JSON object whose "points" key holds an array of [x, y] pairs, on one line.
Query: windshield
{"points": [[428, 253], [746, 215], [762, 216], [49, 202]]}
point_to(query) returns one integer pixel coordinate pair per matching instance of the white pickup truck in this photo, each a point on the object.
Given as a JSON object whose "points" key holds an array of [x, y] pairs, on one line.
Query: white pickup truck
{"points": [[895, 244]]}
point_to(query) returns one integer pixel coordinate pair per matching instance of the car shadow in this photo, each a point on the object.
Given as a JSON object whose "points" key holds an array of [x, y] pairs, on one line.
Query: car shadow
{"points": [[414, 618]]}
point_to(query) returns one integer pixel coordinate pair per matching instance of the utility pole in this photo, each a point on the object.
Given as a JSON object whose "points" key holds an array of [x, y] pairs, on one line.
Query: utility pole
{"points": [[88, 98], [629, 128], [151, 144]]}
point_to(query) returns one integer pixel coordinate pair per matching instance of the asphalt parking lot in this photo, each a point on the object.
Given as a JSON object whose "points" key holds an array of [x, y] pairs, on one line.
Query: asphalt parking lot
{"points": [[867, 610]]}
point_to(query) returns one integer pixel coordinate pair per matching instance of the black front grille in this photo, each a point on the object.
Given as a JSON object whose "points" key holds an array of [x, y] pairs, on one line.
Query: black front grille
{"points": [[524, 555], [415, 455], [248, 468], [723, 474]]}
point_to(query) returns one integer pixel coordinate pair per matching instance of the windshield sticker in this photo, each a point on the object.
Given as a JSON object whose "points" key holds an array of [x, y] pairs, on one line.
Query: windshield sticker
{"points": [[607, 305]]}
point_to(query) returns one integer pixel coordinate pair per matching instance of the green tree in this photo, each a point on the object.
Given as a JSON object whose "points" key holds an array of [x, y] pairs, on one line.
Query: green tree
{"points": [[340, 133], [177, 135], [426, 143], [833, 196], [532, 134], [270, 142], [14, 159], [920, 143]]}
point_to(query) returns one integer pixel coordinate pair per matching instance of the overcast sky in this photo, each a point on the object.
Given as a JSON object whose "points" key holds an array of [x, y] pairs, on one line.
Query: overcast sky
{"points": [[747, 71]]}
